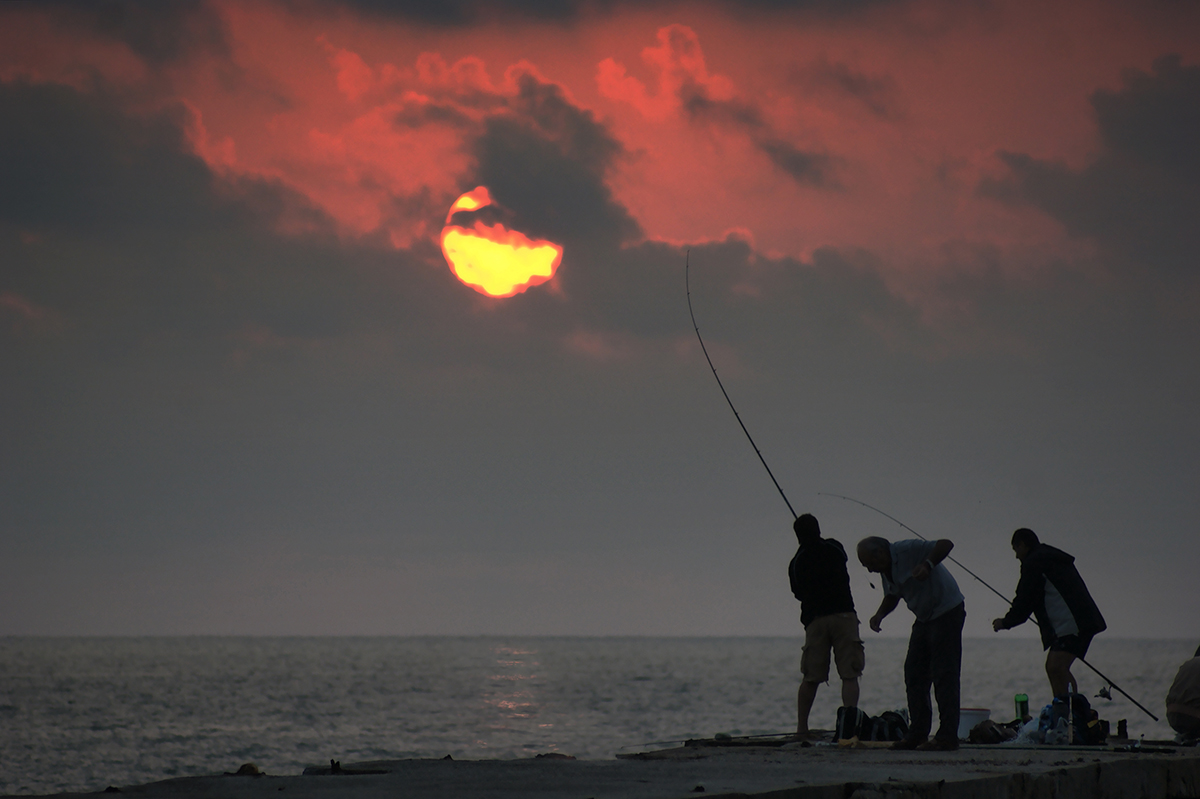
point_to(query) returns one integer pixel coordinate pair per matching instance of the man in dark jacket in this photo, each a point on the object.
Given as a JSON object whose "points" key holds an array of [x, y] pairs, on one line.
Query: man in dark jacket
{"points": [[820, 581], [1051, 589]]}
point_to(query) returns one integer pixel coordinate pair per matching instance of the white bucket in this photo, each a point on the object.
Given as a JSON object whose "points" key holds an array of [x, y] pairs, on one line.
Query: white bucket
{"points": [[968, 717]]}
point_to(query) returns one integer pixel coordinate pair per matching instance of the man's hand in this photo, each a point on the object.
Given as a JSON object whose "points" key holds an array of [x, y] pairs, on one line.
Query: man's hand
{"points": [[922, 571], [998, 625], [889, 603]]}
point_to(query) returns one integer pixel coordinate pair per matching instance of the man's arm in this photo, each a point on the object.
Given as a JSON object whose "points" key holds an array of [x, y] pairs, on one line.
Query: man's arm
{"points": [[889, 603], [941, 549], [1027, 595]]}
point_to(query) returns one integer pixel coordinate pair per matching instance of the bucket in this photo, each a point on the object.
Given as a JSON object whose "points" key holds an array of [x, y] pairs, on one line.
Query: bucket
{"points": [[968, 717]]}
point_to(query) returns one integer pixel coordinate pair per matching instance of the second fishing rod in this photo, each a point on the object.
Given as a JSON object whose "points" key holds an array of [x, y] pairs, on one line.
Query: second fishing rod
{"points": [[758, 452]]}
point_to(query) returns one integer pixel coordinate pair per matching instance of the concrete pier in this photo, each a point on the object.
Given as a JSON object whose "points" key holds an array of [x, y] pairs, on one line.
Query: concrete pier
{"points": [[788, 772]]}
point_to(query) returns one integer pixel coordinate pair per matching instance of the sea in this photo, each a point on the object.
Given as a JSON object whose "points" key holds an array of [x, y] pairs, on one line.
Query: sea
{"points": [[81, 714]]}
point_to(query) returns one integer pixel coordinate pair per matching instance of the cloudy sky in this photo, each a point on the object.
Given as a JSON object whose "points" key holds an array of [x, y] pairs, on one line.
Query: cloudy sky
{"points": [[944, 256]]}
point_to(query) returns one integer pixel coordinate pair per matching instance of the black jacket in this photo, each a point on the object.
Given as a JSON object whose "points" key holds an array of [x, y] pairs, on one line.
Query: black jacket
{"points": [[1051, 589], [820, 581]]}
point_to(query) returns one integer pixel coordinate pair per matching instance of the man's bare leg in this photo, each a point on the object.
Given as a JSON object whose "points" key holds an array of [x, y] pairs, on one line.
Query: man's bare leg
{"points": [[850, 692], [804, 703], [1058, 669]]}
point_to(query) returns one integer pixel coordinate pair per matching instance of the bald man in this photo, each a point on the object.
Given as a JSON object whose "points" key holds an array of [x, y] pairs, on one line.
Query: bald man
{"points": [[913, 571]]}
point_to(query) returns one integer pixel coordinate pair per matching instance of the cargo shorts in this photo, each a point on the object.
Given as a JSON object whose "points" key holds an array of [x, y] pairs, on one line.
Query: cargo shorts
{"points": [[837, 632]]}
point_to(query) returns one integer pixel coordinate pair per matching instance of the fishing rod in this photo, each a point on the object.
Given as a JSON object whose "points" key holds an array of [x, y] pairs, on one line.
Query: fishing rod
{"points": [[704, 349], [993, 590]]}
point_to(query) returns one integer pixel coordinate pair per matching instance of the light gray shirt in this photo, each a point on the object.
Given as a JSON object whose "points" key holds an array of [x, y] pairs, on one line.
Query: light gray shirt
{"points": [[928, 598]]}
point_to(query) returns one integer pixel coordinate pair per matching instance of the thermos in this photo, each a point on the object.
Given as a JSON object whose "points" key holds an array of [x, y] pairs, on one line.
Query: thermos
{"points": [[1022, 703]]}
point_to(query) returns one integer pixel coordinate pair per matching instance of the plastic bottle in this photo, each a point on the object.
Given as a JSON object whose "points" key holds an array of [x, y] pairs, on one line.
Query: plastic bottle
{"points": [[1022, 704], [1060, 735]]}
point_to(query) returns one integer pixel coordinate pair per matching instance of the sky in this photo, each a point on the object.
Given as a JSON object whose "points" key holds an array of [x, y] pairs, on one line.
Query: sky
{"points": [[944, 256]]}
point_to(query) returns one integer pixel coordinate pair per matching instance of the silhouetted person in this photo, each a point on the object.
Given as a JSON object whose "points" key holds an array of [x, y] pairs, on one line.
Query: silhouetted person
{"points": [[913, 570], [1183, 700], [1051, 589], [820, 581]]}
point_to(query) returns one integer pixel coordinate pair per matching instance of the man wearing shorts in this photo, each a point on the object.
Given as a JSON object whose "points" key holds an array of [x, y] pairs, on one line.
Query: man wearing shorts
{"points": [[1051, 589], [820, 581]]}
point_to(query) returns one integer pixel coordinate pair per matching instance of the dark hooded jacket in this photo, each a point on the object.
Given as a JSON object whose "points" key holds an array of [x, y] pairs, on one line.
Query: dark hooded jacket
{"points": [[820, 580], [1052, 590]]}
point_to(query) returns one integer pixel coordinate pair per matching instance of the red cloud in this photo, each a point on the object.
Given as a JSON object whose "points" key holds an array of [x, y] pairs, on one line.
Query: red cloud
{"points": [[354, 77], [678, 63], [724, 118], [22, 307]]}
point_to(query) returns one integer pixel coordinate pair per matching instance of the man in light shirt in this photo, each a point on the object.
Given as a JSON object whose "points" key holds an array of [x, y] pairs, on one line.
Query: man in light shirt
{"points": [[912, 570]]}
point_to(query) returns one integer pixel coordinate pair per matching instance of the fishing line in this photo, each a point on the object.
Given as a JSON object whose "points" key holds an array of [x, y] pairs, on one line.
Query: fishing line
{"points": [[688, 286], [993, 590]]}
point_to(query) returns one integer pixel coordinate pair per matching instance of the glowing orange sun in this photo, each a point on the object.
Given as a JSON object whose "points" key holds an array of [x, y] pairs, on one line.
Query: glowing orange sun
{"points": [[494, 260]]}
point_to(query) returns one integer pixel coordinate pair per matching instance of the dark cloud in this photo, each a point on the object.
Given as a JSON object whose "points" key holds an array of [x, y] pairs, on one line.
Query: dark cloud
{"points": [[113, 225], [70, 160], [418, 115], [878, 94], [1156, 117], [700, 106], [547, 162], [157, 32], [803, 166], [1141, 195], [473, 12], [470, 12]]}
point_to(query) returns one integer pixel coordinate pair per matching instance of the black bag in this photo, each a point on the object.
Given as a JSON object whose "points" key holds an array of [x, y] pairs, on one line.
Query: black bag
{"points": [[888, 726]]}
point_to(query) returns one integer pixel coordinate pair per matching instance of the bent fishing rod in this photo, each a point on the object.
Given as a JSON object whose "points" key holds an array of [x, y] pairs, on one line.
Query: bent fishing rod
{"points": [[993, 590], [704, 349]]}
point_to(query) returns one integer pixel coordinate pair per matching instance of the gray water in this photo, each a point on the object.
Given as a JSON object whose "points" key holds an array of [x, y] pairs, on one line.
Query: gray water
{"points": [[79, 714]]}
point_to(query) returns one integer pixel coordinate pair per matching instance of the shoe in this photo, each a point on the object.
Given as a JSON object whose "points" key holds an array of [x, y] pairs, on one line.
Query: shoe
{"points": [[939, 745], [909, 742]]}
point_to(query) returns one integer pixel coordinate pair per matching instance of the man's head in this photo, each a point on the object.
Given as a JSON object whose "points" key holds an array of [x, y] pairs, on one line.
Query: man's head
{"points": [[807, 529], [875, 554], [1023, 541]]}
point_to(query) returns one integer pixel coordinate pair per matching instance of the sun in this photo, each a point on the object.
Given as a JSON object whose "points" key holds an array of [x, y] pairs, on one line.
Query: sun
{"points": [[492, 259]]}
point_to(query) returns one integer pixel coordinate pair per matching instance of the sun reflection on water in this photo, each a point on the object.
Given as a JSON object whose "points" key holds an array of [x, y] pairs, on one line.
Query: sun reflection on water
{"points": [[512, 687]]}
